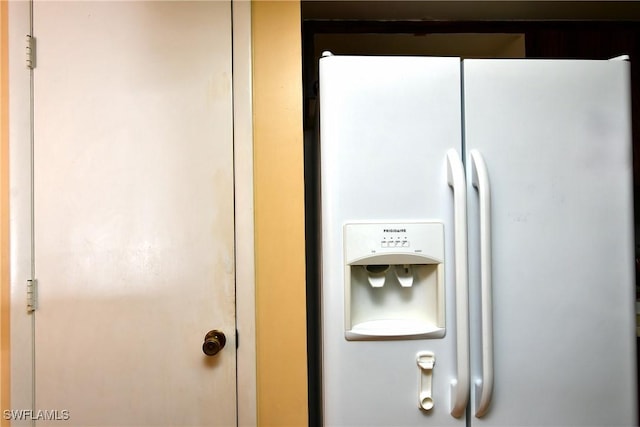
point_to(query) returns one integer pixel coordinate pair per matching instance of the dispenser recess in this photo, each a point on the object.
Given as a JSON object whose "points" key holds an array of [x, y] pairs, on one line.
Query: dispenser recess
{"points": [[394, 281]]}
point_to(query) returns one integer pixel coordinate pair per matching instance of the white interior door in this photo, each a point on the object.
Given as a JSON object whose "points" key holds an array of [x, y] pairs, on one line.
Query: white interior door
{"points": [[133, 208]]}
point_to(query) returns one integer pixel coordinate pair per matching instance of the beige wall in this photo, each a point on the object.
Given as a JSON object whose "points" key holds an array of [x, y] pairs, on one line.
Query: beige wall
{"points": [[4, 211], [279, 210]]}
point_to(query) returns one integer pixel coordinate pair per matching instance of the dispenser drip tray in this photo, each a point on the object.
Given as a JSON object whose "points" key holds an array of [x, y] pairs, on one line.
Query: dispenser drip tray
{"points": [[398, 328]]}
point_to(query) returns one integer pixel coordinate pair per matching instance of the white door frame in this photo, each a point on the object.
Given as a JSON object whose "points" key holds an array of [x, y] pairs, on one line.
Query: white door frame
{"points": [[243, 169]]}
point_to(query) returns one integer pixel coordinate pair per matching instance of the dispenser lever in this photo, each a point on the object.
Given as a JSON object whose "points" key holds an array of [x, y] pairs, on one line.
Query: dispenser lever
{"points": [[376, 274], [426, 360], [404, 273]]}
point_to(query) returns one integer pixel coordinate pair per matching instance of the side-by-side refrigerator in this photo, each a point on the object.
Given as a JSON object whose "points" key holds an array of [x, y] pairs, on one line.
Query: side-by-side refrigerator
{"points": [[477, 242]]}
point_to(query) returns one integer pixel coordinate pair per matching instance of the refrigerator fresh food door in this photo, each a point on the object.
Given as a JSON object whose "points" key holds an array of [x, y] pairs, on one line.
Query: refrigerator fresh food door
{"points": [[551, 141], [390, 131]]}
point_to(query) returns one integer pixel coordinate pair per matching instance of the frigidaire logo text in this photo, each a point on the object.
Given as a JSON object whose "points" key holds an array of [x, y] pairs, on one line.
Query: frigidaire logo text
{"points": [[395, 230]]}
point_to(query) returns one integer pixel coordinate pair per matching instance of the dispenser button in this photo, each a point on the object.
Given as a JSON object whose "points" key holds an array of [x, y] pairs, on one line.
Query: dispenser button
{"points": [[384, 244], [405, 243]]}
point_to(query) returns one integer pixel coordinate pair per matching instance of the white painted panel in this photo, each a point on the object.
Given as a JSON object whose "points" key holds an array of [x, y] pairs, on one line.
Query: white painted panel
{"points": [[556, 139], [386, 126], [134, 212]]}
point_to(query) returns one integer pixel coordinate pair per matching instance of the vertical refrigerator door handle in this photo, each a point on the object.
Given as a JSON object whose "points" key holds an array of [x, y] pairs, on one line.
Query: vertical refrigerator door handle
{"points": [[460, 385], [480, 180]]}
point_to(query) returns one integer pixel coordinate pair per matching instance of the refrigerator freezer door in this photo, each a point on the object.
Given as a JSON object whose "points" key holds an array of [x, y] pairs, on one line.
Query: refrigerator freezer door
{"points": [[555, 136], [386, 124]]}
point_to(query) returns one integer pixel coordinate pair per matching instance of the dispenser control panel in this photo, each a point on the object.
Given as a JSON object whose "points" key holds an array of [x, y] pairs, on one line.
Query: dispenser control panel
{"points": [[395, 237], [366, 239], [399, 241]]}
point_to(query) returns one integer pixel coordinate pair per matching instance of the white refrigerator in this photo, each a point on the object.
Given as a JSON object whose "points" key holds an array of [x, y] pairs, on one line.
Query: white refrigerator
{"points": [[477, 253]]}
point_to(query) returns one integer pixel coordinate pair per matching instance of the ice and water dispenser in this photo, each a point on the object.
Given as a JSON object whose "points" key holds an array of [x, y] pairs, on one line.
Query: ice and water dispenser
{"points": [[394, 281]]}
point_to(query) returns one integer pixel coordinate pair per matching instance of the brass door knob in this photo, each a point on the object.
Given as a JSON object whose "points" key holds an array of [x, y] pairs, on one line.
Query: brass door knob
{"points": [[214, 341]]}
